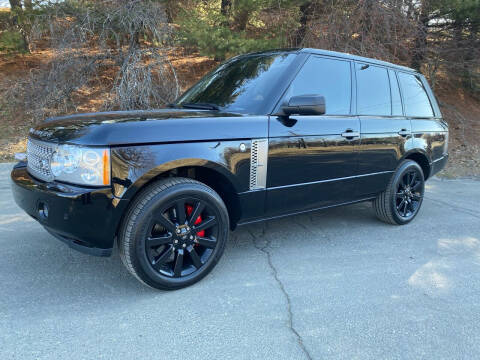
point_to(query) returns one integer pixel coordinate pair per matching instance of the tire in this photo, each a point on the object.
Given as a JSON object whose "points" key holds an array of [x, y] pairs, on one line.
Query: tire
{"points": [[401, 201], [162, 244]]}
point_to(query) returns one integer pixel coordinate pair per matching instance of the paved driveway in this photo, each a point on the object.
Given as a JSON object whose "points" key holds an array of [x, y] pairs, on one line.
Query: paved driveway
{"points": [[335, 284]]}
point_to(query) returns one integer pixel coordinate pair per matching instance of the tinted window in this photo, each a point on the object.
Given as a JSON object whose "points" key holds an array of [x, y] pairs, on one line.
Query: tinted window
{"points": [[396, 99], [415, 98], [326, 77], [373, 90], [243, 84]]}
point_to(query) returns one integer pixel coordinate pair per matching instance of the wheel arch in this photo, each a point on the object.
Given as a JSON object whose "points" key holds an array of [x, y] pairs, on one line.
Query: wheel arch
{"points": [[212, 174], [421, 159]]}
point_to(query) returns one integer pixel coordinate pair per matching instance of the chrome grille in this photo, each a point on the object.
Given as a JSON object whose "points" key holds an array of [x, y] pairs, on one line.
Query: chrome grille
{"points": [[38, 159]]}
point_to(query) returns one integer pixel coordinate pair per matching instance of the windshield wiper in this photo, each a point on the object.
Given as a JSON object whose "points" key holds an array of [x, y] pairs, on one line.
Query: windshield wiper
{"points": [[203, 106]]}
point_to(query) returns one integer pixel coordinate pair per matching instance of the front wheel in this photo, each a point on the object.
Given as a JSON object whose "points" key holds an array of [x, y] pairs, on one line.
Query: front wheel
{"points": [[174, 233], [401, 201]]}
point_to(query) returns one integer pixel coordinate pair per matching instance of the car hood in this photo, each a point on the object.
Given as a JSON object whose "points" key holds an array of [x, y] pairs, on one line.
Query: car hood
{"points": [[153, 126]]}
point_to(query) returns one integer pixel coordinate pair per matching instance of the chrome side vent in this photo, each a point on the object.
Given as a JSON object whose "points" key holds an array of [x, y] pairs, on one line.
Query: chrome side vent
{"points": [[258, 164]]}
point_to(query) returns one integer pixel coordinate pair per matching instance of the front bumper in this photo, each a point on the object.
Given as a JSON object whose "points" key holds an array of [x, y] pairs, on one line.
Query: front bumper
{"points": [[85, 219]]}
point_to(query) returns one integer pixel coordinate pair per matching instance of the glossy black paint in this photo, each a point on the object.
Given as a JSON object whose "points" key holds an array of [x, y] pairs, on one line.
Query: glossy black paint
{"points": [[134, 166], [306, 154], [149, 127], [312, 163], [83, 218]]}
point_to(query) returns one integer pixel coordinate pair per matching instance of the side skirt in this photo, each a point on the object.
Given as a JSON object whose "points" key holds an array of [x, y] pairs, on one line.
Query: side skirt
{"points": [[304, 211]]}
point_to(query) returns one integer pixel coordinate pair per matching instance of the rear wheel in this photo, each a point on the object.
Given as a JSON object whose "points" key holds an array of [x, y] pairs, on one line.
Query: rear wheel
{"points": [[174, 233], [401, 201]]}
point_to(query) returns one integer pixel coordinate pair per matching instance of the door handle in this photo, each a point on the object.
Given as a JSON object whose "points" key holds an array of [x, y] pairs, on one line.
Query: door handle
{"points": [[350, 134], [404, 132]]}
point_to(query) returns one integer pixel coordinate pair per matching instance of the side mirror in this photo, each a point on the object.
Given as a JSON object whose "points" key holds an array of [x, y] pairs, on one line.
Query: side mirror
{"points": [[305, 105]]}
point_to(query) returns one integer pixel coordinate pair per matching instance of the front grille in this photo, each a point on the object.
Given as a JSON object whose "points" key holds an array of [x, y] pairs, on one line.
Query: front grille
{"points": [[38, 159]]}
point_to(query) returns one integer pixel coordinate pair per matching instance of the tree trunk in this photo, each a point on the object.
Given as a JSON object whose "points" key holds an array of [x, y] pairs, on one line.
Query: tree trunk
{"points": [[28, 5], [241, 14], [306, 10], [170, 10], [241, 20], [471, 53], [15, 4], [420, 43], [225, 7]]}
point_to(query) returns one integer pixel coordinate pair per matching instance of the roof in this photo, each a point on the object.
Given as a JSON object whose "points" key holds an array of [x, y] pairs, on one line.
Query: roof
{"points": [[355, 57], [335, 54]]}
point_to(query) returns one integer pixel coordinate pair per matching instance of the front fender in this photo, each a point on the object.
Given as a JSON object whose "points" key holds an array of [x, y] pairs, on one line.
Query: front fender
{"points": [[134, 166]]}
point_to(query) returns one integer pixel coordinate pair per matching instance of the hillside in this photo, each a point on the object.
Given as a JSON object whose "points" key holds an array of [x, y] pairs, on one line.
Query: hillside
{"points": [[461, 111]]}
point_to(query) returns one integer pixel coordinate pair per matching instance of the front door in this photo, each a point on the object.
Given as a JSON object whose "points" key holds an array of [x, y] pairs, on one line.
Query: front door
{"points": [[312, 160]]}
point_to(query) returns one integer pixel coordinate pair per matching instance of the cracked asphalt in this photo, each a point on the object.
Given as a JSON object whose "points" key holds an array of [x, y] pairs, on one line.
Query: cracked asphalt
{"points": [[334, 284]]}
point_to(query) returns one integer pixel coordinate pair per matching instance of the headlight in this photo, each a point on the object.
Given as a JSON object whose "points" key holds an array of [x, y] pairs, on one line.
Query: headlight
{"points": [[81, 165]]}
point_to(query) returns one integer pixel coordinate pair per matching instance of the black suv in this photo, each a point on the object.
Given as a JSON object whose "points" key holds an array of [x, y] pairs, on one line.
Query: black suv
{"points": [[264, 135]]}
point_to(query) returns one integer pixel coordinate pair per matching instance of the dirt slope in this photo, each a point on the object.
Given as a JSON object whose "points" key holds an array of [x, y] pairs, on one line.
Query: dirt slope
{"points": [[461, 111]]}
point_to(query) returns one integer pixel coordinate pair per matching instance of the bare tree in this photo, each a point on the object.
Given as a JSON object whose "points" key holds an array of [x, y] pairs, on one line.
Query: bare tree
{"points": [[118, 46]]}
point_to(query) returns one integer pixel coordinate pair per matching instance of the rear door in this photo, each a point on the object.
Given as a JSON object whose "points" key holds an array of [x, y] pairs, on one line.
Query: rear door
{"points": [[428, 130], [385, 131], [312, 159]]}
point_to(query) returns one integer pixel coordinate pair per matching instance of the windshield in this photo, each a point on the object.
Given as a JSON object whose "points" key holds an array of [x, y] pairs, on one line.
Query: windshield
{"points": [[242, 84]]}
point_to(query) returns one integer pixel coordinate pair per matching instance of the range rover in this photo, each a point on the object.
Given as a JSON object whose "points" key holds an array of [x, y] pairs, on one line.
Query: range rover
{"points": [[265, 135]]}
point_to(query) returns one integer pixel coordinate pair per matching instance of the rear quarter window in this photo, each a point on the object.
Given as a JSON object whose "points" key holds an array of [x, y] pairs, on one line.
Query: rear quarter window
{"points": [[415, 98]]}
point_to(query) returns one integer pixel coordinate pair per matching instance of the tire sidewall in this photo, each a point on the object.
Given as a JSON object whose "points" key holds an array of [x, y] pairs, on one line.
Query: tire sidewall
{"points": [[404, 167], [140, 229]]}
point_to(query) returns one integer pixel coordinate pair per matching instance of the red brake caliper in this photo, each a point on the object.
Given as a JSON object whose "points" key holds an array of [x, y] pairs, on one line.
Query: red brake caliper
{"points": [[198, 221]]}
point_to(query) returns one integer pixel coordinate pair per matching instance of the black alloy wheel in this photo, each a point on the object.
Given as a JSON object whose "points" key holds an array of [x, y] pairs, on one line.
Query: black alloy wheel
{"points": [[174, 233], [409, 194], [183, 236], [401, 201]]}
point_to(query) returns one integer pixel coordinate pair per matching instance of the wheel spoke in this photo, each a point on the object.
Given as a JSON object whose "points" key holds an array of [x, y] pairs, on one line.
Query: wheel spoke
{"points": [[206, 224], [416, 185], [180, 211], [160, 240], [196, 213], [162, 259], [177, 270], [209, 243], [197, 262], [417, 197], [167, 224], [399, 206], [405, 208], [411, 206], [413, 177], [399, 195]]}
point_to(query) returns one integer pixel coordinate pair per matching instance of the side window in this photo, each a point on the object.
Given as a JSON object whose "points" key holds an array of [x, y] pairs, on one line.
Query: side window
{"points": [[327, 77], [415, 98], [373, 90], [396, 99]]}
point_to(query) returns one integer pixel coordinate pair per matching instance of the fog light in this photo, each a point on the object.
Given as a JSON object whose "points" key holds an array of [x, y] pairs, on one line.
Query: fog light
{"points": [[43, 210]]}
